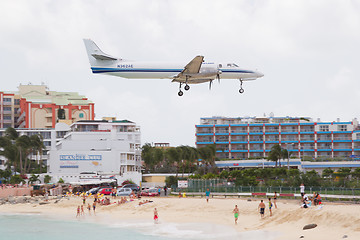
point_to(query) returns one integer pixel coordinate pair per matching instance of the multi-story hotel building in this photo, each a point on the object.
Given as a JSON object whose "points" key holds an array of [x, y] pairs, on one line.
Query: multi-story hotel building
{"points": [[34, 106], [102, 148], [244, 138]]}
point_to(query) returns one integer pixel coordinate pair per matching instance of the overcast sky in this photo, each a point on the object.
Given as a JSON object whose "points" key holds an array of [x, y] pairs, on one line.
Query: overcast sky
{"points": [[308, 50]]}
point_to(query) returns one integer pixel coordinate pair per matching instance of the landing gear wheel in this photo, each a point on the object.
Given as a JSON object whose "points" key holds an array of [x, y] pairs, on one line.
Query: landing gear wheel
{"points": [[187, 87], [241, 90], [180, 93]]}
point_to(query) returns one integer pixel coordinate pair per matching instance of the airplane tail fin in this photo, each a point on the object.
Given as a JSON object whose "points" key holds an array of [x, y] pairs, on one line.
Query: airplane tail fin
{"points": [[96, 56]]}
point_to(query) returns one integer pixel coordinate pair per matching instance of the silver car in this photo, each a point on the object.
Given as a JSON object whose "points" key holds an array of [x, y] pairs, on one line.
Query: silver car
{"points": [[124, 191]]}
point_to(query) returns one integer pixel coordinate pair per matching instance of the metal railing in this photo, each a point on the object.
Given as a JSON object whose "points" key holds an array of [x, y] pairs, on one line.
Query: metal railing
{"points": [[222, 186]]}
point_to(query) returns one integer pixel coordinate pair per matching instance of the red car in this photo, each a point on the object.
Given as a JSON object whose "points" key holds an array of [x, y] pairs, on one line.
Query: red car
{"points": [[150, 193], [105, 191]]}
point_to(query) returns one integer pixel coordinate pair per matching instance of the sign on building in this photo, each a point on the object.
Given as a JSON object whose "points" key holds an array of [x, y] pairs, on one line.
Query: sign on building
{"points": [[182, 183]]}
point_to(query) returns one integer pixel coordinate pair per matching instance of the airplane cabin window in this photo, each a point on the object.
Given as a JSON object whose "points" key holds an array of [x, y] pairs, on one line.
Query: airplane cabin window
{"points": [[229, 64], [220, 65]]}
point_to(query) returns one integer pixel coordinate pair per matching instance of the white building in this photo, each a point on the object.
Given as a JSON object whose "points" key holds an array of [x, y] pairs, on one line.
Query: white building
{"points": [[108, 149], [50, 138]]}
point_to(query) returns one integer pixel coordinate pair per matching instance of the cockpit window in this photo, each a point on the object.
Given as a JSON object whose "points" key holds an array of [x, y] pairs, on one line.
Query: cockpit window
{"points": [[235, 65]]}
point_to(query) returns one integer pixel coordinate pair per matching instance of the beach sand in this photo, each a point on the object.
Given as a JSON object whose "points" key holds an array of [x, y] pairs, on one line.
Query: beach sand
{"points": [[334, 220]]}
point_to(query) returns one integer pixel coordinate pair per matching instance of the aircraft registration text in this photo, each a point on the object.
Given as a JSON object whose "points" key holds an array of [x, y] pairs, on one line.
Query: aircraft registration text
{"points": [[125, 66]]}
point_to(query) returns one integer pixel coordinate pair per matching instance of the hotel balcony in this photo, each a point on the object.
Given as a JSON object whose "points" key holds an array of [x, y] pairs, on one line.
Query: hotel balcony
{"points": [[239, 138], [48, 124], [7, 112], [238, 147], [204, 130], [239, 130], [272, 129]]}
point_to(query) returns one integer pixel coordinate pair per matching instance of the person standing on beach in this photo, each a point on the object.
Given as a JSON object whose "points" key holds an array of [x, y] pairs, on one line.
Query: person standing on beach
{"points": [[262, 208], [270, 206], [156, 216], [302, 190], [165, 190], [89, 208], [78, 211], [207, 194], [159, 191], [94, 207], [236, 213], [275, 199], [82, 210]]}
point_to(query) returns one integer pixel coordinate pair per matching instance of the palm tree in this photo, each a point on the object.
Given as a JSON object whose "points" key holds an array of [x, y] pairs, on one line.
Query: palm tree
{"points": [[37, 147], [24, 145], [34, 178], [207, 154], [275, 154], [174, 155]]}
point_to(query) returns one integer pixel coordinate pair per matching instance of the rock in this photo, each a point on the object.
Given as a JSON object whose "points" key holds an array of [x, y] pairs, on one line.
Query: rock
{"points": [[309, 226], [301, 236], [249, 200], [345, 236]]}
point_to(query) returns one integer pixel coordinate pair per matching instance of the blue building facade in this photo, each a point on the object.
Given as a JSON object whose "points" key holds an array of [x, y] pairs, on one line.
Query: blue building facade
{"points": [[251, 137]]}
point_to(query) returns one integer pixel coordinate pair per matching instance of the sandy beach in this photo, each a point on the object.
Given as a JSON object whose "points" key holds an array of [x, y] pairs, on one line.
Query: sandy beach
{"points": [[334, 220]]}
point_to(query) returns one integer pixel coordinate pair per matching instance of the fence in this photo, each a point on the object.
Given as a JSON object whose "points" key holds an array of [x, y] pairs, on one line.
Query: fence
{"points": [[222, 186]]}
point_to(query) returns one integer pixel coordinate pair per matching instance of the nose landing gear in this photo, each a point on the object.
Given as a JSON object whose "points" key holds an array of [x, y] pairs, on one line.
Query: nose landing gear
{"points": [[241, 90]]}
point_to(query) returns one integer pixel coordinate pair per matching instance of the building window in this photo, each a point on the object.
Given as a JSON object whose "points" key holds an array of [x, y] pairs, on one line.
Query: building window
{"points": [[7, 108], [7, 117], [61, 114], [324, 128], [7, 99], [17, 101], [342, 127], [46, 135], [81, 115]]}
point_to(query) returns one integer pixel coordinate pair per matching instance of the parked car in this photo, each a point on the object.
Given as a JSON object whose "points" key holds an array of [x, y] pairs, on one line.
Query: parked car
{"points": [[93, 191], [133, 187], [153, 192], [105, 191], [124, 191]]}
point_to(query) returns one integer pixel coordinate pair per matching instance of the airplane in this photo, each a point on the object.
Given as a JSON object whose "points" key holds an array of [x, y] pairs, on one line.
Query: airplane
{"points": [[196, 71]]}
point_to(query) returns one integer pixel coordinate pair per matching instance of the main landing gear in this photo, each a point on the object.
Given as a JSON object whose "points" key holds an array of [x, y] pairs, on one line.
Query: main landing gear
{"points": [[241, 90], [180, 93], [187, 87]]}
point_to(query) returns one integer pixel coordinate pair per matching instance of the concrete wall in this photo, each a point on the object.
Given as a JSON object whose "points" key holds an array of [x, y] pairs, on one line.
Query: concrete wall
{"points": [[5, 192]]}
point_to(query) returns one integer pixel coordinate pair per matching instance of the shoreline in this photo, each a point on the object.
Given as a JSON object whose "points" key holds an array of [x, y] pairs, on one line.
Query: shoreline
{"points": [[334, 220]]}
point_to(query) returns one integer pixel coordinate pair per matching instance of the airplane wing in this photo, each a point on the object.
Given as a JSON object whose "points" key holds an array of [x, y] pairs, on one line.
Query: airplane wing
{"points": [[192, 67]]}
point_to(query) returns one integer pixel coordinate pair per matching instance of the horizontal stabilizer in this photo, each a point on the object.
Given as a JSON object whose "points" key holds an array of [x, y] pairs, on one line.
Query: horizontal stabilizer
{"points": [[103, 57]]}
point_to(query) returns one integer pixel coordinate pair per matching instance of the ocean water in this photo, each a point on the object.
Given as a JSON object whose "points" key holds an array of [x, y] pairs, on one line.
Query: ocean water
{"points": [[38, 227]]}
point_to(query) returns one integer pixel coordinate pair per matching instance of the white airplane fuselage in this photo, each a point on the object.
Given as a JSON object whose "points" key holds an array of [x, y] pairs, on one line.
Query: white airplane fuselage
{"points": [[166, 70]]}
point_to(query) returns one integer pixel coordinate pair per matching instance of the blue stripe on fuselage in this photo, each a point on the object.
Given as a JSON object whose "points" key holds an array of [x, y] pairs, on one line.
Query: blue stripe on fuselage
{"points": [[108, 70]]}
